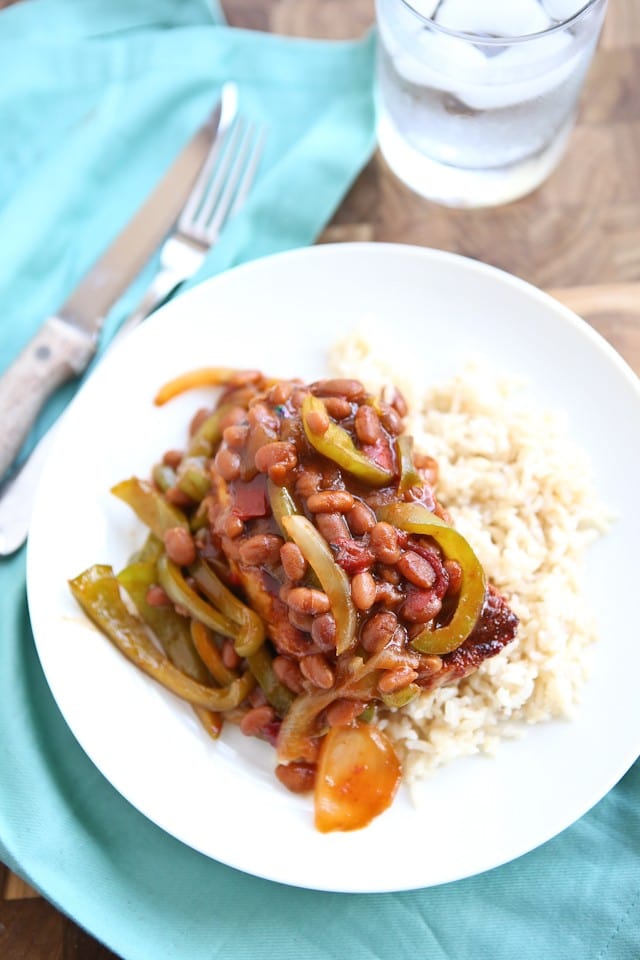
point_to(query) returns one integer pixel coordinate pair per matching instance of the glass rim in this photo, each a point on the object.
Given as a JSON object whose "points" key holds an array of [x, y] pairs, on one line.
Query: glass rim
{"points": [[504, 41]]}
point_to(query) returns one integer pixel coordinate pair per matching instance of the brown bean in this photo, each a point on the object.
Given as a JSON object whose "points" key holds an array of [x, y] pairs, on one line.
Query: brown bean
{"points": [[157, 597], [256, 719], [260, 549], [317, 671], [388, 594], [236, 436], [303, 621], [363, 590], [178, 497], [318, 422], [308, 482], [420, 606], [308, 600], [367, 424], [229, 656], [232, 526], [297, 777], [389, 574], [279, 453], [383, 542], [427, 466], [391, 419], [259, 413], [288, 672], [280, 392], [342, 712], [257, 697], [398, 402], [430, 665], [198, 419], [173, 458], [330, 501], [340, 387], [361, 518], [378, 630], [179, 545], [337, 407], [293, 561], [416, 569], [454, 571], [396, 679], [332, 526], [323, 632], [227, 463]]}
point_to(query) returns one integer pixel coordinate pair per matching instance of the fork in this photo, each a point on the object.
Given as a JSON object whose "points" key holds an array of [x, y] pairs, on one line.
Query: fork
{"points": [[219, 192]]}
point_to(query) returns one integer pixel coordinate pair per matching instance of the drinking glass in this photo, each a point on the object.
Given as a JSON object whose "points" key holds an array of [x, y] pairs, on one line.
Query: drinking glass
{"points": [[477, 98]]}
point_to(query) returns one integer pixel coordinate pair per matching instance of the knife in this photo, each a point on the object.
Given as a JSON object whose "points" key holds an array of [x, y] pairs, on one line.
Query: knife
{"points": [[64, 345]]}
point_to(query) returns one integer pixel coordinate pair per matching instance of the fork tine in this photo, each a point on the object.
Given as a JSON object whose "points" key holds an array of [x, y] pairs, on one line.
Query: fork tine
{"points": [[228, 111], [223, 176], [236, 182]]}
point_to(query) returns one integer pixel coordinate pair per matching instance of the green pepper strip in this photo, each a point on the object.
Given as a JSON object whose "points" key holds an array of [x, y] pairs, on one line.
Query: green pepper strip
{"points": [[180, 592], [282, 504], [150, 506], [193, 478], [333, 579], [169, 627], [98, 593], [415, 518], [149, 551], [208, 652], [251, 639], [173, 634], [251, 628], [209, 433], [336, 444], [409, 476]]}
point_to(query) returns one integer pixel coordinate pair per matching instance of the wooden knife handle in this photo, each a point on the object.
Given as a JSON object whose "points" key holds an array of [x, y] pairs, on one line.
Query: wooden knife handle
{"points": [[56, 353]]}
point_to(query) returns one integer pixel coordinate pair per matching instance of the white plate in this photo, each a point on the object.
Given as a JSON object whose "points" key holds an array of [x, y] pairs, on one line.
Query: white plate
{"points": [[281, 314]]}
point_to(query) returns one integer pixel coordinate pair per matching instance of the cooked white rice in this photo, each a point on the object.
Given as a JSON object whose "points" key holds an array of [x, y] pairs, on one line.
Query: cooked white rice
{"points": [[518, 489]]}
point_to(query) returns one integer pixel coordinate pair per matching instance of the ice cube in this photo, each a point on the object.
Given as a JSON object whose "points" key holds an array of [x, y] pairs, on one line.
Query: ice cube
{"points": [[438, 61], [562, 9], [499, 18]]}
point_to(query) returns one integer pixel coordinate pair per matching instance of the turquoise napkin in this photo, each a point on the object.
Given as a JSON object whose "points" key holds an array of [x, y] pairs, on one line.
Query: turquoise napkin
{"points": [[96, 98]]}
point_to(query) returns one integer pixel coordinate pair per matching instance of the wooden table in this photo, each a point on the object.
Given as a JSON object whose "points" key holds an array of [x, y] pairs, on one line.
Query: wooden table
{"points": [[578, 235]]}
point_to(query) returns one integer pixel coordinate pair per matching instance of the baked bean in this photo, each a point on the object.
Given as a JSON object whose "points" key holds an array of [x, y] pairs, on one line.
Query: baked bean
{"points": [[323, 632], [233, 417], [235, 436], [391, 419], [361, 518], [337, 407], [288, 672], [232, 526], [389, 574], [342, 712], [157, 597], [308, 600], [296, 777], [278, 453], [430, 665], [297, 398], [398, 402], [318, 421], [416, 569], [420, 606], [229, 656], [259, 413], [454, 571], [260, 549], [280, 393], [332, 526], [303, 621], [378, 630], [363, 590], [308, 483], [387, 594], [178, 497], [257, 697], [330, 501], [293, 561], [383, 542], [317, 671], [227, 463], [396, 679], [256, 719], [179, 545], [198, 419], [173, 458], [339, 387], [427, 466], [367, 424]]}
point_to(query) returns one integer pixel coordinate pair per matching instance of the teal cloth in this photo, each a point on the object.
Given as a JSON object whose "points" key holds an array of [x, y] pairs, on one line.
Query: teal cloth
{"points": [[97, 96]]}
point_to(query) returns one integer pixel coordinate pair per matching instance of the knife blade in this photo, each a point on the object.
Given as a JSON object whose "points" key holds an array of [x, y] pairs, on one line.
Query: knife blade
{"points": [[64, 345]]}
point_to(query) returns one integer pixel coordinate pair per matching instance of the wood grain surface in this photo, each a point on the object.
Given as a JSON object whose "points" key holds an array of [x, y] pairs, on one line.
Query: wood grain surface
{"points": [[578, 236]]}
